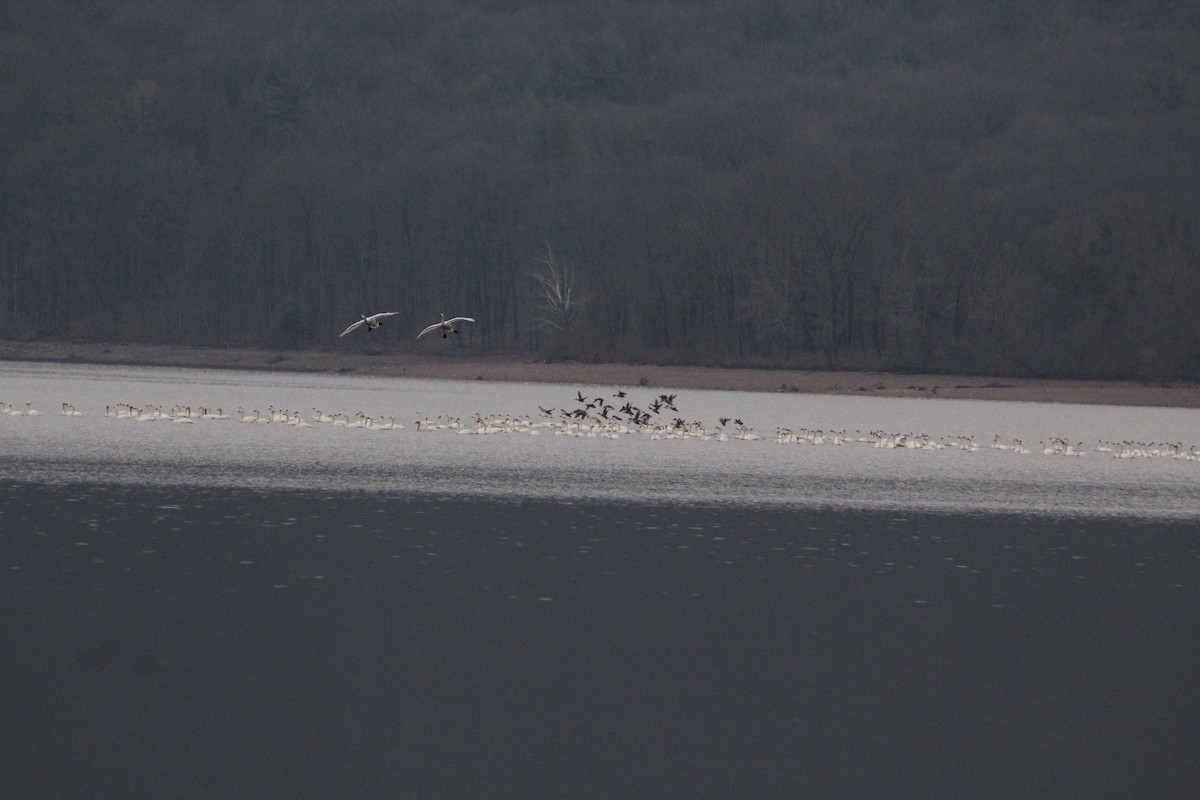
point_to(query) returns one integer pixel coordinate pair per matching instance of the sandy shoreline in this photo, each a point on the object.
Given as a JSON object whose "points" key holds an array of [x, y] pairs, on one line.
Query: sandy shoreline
{"points": [[456, 365]]}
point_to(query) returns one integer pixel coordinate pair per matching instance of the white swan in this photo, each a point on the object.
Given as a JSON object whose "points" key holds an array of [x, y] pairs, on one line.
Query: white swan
{"points": [[446, 326], [372, 322]]}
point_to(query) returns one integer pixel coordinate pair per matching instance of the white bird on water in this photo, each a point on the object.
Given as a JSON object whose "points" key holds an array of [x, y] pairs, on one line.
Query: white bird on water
{"points": [[446, 326], [372, 322]]}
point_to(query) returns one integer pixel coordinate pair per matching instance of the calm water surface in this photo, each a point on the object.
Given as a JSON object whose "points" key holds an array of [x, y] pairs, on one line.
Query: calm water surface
{"points": [[217, 609]]}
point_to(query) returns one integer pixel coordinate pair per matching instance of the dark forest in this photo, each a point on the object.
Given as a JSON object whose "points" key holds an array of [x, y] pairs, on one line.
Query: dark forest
{"points": [[995, 186]]}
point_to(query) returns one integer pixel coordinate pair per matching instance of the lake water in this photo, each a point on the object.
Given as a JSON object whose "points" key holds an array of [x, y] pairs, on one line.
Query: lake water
{"points": [[217, 608]]}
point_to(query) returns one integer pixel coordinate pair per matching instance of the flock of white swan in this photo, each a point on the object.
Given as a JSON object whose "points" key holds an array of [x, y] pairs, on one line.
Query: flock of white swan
{"points": [[595, 422], [598, 418]]}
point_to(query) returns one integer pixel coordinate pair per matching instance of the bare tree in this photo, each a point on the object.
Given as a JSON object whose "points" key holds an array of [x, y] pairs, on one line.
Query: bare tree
{"points": [[556, 291]]}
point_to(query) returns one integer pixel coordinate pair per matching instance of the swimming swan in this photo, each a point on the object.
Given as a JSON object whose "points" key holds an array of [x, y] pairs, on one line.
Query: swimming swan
{"points": [[372, 322], [446, 325]]}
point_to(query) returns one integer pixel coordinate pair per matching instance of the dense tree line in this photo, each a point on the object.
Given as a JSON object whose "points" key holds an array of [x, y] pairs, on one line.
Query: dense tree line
{"points": [[993, 186]]}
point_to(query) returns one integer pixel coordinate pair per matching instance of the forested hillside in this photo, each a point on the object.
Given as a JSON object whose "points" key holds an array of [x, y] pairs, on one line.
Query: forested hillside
{"points": [[987, 185]]}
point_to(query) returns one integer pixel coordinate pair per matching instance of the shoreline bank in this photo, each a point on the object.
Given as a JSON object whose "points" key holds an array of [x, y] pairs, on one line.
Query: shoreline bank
{"points": [[458, 365]]}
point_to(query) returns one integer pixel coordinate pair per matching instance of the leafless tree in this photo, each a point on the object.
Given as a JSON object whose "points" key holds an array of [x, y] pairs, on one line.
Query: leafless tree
{"points": [[556, 291]]}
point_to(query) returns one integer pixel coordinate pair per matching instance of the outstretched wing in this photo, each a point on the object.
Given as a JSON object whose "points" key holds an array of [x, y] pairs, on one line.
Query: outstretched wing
{"points": [[432, 327], [355, 326], [460, 319], [383, 314]]}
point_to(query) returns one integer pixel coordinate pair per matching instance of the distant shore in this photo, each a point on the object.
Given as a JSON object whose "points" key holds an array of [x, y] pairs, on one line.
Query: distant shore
{"points": [[458, 364]]}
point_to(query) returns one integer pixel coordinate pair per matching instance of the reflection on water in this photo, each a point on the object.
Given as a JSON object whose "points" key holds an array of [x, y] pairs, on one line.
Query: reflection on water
{"points": [[494, 440]]}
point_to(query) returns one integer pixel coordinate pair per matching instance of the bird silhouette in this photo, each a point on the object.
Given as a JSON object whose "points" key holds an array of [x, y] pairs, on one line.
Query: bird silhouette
{"points": [[372, 322], [446, 326]]}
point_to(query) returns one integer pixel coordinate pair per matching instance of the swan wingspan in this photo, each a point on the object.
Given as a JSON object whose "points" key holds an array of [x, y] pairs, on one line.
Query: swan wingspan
{"points": [[371, 322], [445, 326]]}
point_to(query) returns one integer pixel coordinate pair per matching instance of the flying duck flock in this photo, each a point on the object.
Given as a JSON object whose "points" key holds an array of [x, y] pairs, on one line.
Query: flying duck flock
{"points": [[614, 417]]}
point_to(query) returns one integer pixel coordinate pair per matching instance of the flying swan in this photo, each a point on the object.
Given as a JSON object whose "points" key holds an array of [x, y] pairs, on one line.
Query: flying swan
{"points": [[372, 322], [446, 326]]}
